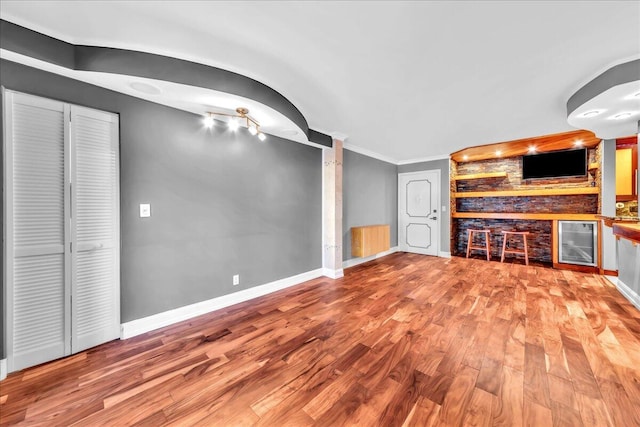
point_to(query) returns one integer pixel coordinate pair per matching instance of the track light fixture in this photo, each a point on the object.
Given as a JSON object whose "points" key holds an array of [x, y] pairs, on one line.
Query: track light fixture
{"points": [[241, 118]]}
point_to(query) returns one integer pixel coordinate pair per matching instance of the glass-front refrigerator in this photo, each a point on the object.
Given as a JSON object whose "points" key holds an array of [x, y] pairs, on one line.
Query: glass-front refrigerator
{"points": [[578, 242]]}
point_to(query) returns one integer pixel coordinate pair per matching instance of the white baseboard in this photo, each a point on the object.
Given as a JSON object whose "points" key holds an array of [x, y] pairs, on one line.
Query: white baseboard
{"points": [[166, 318], [625, 290], [355, 261], [444, 254], [3, 369], [333, 274]]}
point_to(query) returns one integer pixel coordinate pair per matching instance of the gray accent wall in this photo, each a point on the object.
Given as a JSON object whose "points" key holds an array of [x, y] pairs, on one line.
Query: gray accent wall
{"points": [[221, 203], [369, 196], [445, 223]]}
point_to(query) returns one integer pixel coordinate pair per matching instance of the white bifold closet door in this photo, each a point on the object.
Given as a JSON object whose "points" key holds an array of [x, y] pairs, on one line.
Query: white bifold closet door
{"points": [[62, 228]]}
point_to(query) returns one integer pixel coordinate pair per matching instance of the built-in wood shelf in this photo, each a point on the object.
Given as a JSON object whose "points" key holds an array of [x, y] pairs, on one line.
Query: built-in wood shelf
{"points": [[533, 216], [530, 192], [593, 166], [481, 176]]}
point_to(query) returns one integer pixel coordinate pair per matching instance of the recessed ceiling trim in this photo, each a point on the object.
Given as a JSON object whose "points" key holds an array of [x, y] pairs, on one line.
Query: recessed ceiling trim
{"points": [[30, 43], [608, 105], [614, 76]]}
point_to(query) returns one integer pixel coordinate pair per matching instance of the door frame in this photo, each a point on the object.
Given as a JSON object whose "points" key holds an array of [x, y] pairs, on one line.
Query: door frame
{"points": [[438, 172]]}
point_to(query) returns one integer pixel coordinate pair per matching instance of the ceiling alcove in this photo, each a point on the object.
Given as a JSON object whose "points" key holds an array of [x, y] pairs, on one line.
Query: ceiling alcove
{"points": [[178, 83]]}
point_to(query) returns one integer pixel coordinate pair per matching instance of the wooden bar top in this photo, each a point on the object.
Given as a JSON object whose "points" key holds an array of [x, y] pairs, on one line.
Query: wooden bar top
{"points": [[627, 231], [610, 220]]}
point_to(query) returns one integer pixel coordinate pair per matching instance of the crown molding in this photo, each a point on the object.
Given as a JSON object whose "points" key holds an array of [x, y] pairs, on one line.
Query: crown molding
{"points": [[369, 153], [339, 136], [423, 159]]}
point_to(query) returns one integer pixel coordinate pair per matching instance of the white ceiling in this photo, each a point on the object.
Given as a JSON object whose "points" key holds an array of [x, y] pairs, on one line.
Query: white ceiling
{"points": [[404, 80]]}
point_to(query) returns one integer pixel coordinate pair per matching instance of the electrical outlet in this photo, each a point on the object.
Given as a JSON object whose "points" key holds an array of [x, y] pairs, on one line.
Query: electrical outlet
{"points": [[236, 279]]}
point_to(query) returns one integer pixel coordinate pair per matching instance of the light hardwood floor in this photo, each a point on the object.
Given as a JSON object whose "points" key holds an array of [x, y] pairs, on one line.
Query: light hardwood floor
{"points": [[403, 340]]}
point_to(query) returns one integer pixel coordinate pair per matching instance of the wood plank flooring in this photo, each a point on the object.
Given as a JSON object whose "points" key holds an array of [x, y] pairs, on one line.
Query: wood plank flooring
{"points": [[406, 340]]}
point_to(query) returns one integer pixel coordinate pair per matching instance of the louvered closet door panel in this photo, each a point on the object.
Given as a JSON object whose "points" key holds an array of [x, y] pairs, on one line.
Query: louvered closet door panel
{"points": [[36, 177], [95, 214]]}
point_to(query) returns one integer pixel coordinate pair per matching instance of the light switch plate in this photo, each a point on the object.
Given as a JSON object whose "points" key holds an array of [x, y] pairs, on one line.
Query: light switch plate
{"points": [[145, 210]]}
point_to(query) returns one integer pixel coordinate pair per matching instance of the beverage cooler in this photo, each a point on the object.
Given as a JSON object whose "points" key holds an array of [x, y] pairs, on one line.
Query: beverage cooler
{"points": [[578, 242]]}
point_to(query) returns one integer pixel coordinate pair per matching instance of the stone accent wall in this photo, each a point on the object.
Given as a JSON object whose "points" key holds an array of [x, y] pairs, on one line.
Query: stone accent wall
{"points": [[538, 242], [513, 167], [540, 239], [579, 203]]}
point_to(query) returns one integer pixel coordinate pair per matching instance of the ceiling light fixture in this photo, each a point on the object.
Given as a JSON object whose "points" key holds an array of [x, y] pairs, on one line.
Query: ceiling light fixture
{"points": [[498, 153], [591, 113], [578, 143], [465, 157], [622, 116], [208, 121], [147, 88], [241, 118], [532, 149], [233, 125]]}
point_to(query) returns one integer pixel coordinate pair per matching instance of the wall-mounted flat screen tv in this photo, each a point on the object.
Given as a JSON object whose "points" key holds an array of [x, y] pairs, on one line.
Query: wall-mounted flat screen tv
{"points": [[555, 164]]}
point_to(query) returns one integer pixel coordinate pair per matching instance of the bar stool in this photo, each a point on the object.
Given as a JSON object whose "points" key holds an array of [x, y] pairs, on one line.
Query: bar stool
{"points": [[524, 251], [472, 233]]}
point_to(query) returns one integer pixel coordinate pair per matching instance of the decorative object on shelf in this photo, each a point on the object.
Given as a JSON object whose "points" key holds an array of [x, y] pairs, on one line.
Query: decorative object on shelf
{"points": [[241, 118]]}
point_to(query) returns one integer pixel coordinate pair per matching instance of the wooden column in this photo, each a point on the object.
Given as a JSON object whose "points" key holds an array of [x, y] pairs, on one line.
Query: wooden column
{"points": [[332, 210]]}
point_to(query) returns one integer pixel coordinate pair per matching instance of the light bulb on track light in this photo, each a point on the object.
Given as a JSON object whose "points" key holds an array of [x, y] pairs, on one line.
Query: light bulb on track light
{"points": [[208, 121]]}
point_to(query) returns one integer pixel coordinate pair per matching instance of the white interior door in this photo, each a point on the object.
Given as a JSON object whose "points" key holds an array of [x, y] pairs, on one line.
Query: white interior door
{"points": [[95, 227], [61, 229], [38, 309], [418, 212]]}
